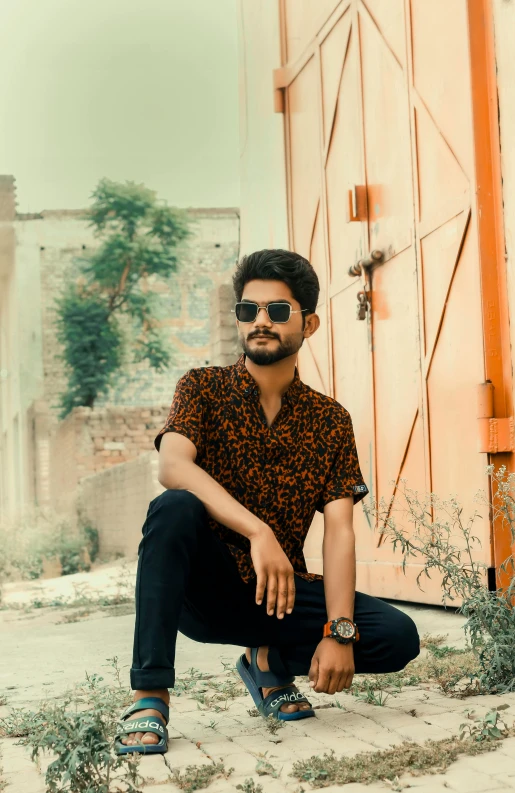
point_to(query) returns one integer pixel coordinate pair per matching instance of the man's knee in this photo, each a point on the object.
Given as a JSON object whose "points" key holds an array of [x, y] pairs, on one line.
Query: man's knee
{"points": [[178, 501], [405, 639], [175, 512]]}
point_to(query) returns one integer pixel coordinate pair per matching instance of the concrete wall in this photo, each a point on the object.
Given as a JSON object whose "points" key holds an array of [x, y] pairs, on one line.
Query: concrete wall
{"points": [[116, 501], [262, 166]]}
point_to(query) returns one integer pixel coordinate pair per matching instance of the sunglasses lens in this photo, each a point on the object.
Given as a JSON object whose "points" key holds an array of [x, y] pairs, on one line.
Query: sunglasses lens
{"points": [[246, 312], [279, 312]]}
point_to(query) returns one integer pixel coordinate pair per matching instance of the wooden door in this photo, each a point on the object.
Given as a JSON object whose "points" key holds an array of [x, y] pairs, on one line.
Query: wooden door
{"points": [[380, 107]]}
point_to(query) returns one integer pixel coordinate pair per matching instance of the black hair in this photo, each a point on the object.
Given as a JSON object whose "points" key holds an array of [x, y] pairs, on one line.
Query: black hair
{"points": [[278, 265]]}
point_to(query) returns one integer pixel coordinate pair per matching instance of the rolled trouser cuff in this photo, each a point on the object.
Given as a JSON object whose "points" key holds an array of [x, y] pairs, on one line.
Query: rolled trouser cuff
{"points": [[149, 679]]}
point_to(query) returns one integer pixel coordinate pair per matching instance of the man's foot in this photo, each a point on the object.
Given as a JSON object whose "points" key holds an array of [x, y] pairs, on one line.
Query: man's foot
{"points": [[146, 737], [262, 662]]}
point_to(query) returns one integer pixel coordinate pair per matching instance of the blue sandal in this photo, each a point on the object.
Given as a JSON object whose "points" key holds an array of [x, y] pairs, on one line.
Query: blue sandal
{"points": [[255, 680], [144, 724]]}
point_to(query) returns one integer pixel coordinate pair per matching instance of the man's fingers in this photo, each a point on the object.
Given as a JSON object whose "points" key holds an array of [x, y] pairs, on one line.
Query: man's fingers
{"points": [[290, 602], [323, 681], [282, 595], [313, 672], [271, 594], [260, 587]]}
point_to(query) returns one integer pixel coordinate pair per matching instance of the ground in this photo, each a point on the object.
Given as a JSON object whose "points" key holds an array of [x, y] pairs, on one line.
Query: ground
{"points": [[43, 655]]}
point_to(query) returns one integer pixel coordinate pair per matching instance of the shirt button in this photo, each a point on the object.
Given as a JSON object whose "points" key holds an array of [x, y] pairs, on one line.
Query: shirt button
{"points": [[256, 392]]}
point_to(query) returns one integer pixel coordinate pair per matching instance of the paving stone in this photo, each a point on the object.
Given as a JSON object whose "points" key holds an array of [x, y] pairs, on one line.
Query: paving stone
{"points": [[353, 728], [491, 763], [153, 765], [463, 779], [507, 782], [23, 783], [508, 747]]}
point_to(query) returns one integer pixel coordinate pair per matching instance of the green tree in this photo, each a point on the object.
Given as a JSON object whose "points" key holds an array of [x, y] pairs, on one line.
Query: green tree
{"points": [[138, 237]]}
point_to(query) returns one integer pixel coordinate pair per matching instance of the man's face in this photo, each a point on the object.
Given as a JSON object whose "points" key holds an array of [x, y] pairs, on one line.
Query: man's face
{"points": [[263, 341]]}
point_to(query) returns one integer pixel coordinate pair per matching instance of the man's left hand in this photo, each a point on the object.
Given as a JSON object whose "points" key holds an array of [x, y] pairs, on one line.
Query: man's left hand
{"points": [[332, 667]]}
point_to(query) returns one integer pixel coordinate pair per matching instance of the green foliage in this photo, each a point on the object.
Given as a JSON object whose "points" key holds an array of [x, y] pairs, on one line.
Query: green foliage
{"points": [[446, 545], [485, 728], [138, 238], [80, 740], [92, 346], [196, 777], [249, 786], [93, 540], [432, 757], [39, 534]]}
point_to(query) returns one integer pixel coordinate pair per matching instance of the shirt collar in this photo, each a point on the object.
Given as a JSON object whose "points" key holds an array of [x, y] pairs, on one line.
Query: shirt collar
{"points": [[248, 385]]}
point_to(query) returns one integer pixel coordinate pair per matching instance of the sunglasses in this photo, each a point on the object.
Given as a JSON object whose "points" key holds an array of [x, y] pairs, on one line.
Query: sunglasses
{"points": [[277, 312]]}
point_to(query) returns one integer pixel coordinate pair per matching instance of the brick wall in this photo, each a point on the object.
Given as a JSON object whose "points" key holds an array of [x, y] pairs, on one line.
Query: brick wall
{"points": [[90, 440], [225, 348], [115, 502], [206, 261]]}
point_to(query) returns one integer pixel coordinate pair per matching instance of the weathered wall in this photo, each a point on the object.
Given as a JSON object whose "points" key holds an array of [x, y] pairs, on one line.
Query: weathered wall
{"points": [[262, 165], [206, 260], [225, 348], [37, 254], [90, 440], [116, 501]]}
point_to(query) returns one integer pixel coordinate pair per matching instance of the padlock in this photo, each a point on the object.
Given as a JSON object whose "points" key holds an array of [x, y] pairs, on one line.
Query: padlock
{"points": [[362, 306]]}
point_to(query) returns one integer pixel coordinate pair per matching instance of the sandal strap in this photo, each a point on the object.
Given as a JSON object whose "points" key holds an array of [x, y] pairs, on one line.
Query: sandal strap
{"points": [[148, 703], [287, 696], [142, 724], [266, 679]]}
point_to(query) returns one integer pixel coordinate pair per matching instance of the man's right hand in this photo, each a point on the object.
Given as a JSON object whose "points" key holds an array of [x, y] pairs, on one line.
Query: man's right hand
{"points": [[274, 573]]}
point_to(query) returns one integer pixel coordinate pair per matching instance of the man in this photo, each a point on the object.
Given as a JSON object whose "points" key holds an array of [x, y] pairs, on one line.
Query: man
{"points": [[247, 454]]}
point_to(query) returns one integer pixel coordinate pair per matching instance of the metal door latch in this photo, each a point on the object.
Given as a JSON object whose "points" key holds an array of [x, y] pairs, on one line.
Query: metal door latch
{"points": [[375, 258]]}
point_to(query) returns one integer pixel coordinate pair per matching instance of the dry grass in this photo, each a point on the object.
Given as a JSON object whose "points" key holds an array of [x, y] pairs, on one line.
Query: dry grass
{"points": [[432, 757]]}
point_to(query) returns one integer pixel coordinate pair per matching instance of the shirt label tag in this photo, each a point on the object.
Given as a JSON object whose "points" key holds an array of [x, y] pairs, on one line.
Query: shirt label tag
{"points": [[360, 488]]}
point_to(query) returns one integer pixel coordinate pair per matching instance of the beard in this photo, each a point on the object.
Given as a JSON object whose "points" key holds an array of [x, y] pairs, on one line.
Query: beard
{"points": [[263, 356]]}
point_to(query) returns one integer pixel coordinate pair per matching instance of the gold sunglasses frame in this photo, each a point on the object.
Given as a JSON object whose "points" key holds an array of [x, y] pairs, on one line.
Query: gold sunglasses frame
{"points": [[273, 303]]}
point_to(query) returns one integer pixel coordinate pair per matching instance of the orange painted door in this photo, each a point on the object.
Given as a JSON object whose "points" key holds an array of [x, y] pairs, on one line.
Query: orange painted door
{"points": [[381, 156]]}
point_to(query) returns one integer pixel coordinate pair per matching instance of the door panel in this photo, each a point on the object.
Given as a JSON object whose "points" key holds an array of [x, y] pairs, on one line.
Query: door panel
{"points": [[381, 98]]}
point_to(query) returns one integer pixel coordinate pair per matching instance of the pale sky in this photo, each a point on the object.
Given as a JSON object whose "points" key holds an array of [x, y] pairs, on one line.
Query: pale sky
{"points": [[145, 90]]}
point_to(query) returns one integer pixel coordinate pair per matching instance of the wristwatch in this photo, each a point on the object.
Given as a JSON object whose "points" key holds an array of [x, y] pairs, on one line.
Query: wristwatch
{"points": [[344, 630]]}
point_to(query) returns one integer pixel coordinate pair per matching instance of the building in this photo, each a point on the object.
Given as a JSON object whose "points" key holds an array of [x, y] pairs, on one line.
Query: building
{"points": [[42, 459], [377, 141]]}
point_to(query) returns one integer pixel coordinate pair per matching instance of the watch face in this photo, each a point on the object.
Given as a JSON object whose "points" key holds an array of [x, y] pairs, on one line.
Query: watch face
{"points": [[344, 629]]}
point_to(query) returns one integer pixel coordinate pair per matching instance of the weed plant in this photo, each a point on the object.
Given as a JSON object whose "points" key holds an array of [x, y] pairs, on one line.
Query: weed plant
{"points": [[432, 757], [249, 786], [196, 777], [79, 733], [41, 533], [208, 692], [445, 544]]}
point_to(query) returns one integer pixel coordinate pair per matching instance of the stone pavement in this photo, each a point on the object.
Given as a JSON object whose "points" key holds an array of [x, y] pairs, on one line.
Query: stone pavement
{"points": [[42, 657]]}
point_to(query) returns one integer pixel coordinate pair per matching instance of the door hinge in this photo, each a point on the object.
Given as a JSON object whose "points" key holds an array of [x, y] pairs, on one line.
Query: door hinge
{"points": [[495, 434], [280, 84]]}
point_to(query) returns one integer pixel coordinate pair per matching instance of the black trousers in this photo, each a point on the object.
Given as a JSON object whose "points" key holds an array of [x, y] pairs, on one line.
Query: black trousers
{"points": [[187, 580]]}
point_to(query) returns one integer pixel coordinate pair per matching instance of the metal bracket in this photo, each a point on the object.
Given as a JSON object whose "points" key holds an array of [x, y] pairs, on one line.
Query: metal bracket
{"points": [[496, 435], [357, 209]]}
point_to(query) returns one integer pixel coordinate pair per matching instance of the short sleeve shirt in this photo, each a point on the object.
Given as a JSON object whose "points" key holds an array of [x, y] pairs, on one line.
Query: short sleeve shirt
{"points": [[282, 473]]}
